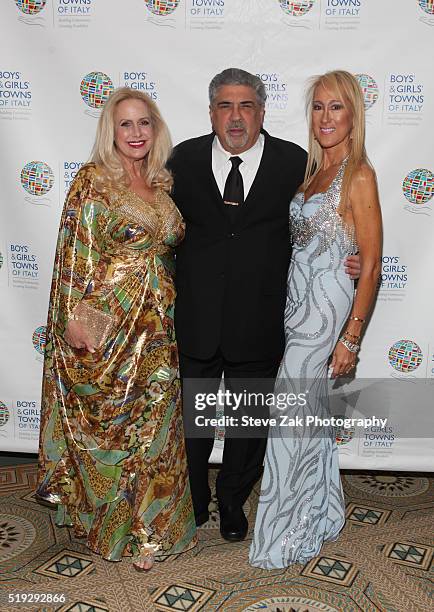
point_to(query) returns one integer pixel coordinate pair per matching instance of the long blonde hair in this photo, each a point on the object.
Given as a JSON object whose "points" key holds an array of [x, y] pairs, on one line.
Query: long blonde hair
{"points": [[104, 153], [346, 86]]}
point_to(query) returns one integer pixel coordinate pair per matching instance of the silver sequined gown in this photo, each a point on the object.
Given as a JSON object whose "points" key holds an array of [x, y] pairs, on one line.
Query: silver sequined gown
{"points": [[301, 503]]}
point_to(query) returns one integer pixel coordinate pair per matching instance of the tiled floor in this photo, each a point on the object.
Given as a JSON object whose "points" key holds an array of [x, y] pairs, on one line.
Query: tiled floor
{"points": [[380, 563]]}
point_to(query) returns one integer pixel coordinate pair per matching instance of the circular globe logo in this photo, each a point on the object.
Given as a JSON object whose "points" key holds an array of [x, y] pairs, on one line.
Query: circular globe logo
{"points": [[39, 339], [418, 186], [30, 7], [405, 356], [296, 8], [369, 89], [95, 88], [343, 434], [37, 178], [4, 414], [427, 6], [161, 7]]}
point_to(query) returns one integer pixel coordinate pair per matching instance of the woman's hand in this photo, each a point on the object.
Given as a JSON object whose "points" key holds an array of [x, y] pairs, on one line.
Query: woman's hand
{"points": [[77, 336], [343, 361], [352, 266]]}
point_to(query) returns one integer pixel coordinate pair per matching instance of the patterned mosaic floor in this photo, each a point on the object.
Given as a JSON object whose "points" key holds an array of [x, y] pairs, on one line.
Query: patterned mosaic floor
{"points": [[382, 561]]}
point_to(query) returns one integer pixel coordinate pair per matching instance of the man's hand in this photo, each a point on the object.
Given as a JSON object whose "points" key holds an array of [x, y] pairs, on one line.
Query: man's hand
{"points": [[352, 266]]}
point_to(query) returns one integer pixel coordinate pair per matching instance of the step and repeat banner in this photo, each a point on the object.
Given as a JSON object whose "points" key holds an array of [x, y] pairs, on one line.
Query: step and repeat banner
{"points": [[59, 61]]}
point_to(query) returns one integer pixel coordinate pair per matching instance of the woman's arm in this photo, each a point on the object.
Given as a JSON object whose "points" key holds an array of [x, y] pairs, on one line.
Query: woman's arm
{"points": [[77, 255], [365, 208]]}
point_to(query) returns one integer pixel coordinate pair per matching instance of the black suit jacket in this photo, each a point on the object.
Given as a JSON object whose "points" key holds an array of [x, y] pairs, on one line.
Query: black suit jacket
{"points": [[231, 278]]}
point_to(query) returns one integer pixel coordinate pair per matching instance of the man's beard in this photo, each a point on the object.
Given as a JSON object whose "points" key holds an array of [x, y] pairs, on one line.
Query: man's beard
{"points": [[238, 142]]}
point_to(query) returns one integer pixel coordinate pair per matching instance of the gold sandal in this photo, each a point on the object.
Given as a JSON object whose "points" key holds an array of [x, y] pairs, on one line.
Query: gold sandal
{"points": [[49, 500]]}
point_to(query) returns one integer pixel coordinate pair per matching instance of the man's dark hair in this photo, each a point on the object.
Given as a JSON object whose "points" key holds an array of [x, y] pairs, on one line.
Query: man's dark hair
{"points": [[236, 76]]}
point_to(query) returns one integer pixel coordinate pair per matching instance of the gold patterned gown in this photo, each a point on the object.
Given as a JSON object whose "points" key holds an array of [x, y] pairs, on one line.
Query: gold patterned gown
{"points": [[112, 443]]}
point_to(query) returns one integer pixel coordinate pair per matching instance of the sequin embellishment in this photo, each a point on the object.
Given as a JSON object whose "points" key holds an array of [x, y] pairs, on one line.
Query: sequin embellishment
{"points": [[326, 222]]}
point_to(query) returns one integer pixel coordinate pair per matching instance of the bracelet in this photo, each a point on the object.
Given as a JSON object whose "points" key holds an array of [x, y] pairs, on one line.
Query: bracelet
{"points": [[73, 317], [351, 346], [357, 319], [347, 333]]}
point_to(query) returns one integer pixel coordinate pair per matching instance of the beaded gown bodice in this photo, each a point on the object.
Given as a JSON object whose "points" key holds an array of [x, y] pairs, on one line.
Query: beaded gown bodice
{"points": [[320, 237]]}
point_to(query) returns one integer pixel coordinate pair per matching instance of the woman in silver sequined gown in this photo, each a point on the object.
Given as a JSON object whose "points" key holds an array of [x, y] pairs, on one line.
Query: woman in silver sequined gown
{"points": [[301, 503]]}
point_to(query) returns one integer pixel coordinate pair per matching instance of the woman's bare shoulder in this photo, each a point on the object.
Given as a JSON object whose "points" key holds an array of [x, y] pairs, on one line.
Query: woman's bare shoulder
{"points": [[364, 174]]}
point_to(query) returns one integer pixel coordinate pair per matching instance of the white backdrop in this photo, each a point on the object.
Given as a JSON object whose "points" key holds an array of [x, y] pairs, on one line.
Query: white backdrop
{"points": [[60, 58]]}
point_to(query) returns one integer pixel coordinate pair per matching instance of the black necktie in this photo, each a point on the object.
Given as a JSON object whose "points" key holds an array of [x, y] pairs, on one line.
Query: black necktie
{"points": [[233, 194]]}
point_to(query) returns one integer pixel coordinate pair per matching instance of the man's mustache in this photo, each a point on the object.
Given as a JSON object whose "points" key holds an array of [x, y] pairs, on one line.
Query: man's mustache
{"points": [[235, 125]]}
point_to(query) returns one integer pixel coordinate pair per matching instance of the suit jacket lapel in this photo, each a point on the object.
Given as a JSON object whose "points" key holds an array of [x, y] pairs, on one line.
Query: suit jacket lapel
{"points": [[206, 175], [260, 182]]}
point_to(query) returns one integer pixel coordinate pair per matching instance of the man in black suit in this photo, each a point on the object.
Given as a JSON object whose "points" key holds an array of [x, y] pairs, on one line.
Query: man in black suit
{"points": [[233, 188]]}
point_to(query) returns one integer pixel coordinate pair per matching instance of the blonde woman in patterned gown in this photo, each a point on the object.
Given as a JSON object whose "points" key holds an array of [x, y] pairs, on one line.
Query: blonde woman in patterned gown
{"points": [[336, 211], [112, 451]]}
